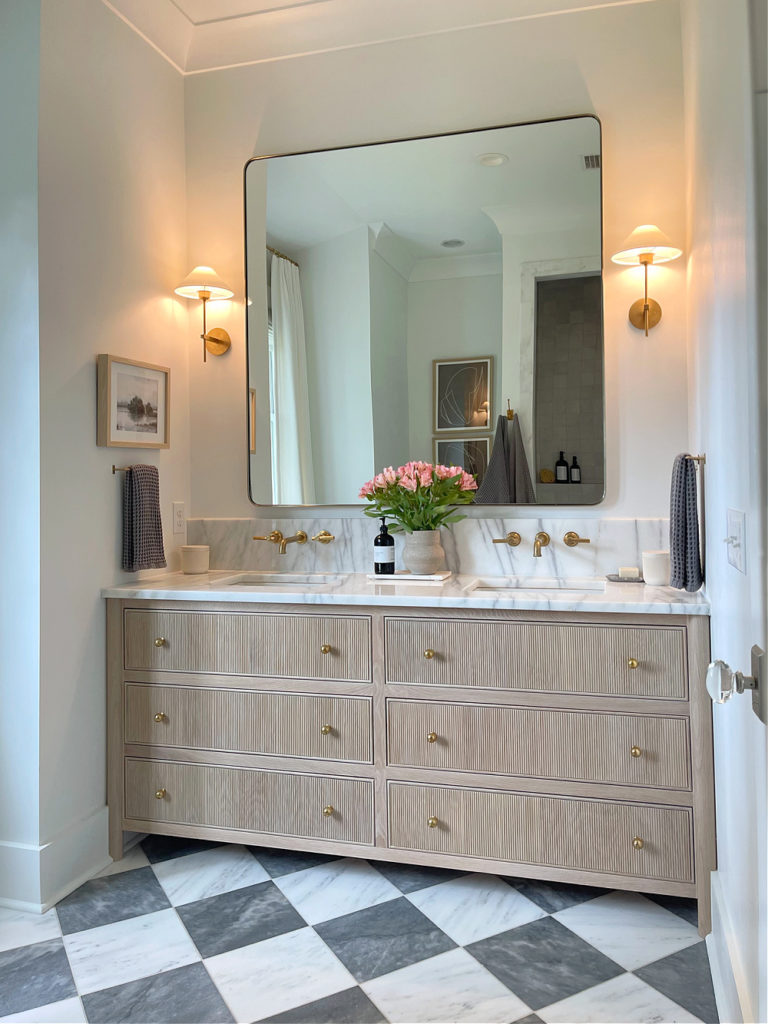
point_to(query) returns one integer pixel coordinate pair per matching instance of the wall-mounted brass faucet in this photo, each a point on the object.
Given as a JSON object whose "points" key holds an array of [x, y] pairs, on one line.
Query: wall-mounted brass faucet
{"points": [[275, 537], [572, 539], [541, 540], [297, 538], [513, 539]]}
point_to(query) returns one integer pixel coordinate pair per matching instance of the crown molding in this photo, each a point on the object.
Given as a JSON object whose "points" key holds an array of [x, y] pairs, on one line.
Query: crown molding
{"points": [[286, 29]]}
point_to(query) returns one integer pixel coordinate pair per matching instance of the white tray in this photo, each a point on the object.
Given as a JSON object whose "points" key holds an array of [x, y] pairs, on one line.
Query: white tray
{"points": [[403, 576]]}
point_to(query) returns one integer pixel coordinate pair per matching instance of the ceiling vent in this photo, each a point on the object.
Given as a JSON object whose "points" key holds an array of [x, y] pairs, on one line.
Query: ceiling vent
{"points": [[592, 162]]}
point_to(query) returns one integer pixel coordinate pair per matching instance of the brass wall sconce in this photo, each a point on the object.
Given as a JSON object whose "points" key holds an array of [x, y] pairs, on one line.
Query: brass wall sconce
{"points": [[204, 283], [644, 246]]}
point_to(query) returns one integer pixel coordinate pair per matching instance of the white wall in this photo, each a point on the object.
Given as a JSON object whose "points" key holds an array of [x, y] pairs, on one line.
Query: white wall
{"points": [[19, 453], [726, 425], [112, 248], [389, 363], [448, 319], [576, 63]]}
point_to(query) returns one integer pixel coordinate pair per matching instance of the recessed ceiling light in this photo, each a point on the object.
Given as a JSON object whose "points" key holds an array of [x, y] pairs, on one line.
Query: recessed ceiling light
{"points": [[453, 243], [492, 159]]}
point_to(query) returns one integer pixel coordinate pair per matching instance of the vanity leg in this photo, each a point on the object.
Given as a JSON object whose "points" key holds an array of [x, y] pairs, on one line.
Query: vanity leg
{"points": [[115, 727], [702, 767]]}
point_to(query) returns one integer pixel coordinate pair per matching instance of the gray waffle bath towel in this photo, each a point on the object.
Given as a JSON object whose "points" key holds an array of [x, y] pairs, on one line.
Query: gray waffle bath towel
{"points": [[142, 525], [507, 480], [684, 551]]}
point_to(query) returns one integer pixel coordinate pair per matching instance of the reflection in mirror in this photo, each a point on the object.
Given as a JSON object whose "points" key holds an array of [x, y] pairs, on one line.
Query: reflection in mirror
{"points": [[437, 299]]}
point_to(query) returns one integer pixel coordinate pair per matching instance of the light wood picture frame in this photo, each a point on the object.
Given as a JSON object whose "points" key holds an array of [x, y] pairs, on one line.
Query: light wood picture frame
{"points": [[462, 394], [471, 453], [133, 404]]}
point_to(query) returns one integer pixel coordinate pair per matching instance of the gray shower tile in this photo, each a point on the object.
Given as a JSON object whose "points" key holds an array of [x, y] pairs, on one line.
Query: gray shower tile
{"points": [[111, 898]]}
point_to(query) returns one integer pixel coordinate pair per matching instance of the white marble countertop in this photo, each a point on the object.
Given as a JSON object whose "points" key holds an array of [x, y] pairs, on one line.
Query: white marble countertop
{"points": [[455, 592]]}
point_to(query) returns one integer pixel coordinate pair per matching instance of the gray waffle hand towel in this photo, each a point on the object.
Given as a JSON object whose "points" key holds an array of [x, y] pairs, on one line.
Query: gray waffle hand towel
{"points": [[684, 551], [507, 480], [142, 525]]}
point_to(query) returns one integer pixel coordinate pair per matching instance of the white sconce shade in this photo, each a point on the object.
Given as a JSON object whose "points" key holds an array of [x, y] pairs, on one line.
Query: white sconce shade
{"points": [[204, 279], [646, 240]]}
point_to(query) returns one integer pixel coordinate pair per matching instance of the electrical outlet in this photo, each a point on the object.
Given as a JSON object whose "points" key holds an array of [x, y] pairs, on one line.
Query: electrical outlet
{"points": [[736, 540], [179, 518]]}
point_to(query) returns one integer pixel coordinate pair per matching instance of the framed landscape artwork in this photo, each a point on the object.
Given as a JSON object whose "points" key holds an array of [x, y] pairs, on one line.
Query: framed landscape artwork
{"points": [[462, 391], [134, 404], [470, 452]]}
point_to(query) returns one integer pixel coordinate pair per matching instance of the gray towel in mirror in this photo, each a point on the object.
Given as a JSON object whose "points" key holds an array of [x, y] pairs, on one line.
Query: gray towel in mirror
{"points": [[142, 523], [684, 550], [507, 480]]}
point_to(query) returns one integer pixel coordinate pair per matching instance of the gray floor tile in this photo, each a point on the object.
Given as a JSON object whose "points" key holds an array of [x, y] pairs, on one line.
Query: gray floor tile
{"points": [[554, 896], [159, 848], [685, 977], [32, 976], [239, 918], [530, 1019], [182, 996], [687, 909], [543, 962], [383, 938], [112, 898], [285, 862], [411, 877], [352, 1006]]}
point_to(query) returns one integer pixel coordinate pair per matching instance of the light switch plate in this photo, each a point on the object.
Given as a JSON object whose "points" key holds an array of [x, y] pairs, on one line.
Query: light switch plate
{"points": [[179, 518], [736, 540]]}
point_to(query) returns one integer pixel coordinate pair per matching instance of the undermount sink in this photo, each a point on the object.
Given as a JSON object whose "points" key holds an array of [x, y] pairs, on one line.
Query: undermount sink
{"points": [[279, 579], [510, 585]]}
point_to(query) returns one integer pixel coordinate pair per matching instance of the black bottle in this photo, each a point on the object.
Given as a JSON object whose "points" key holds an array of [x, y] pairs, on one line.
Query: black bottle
{"points": [[561, 470], [384, 551], [575, 472]]}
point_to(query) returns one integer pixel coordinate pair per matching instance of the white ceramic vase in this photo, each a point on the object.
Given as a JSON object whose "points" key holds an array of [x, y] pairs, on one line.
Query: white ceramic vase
{"points": [[423, 551]]}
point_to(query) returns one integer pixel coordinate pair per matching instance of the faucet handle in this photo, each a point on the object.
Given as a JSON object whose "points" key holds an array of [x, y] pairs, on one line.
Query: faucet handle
{"points": [[572, 539], [324, 537], [513, 539], [275, 537]]}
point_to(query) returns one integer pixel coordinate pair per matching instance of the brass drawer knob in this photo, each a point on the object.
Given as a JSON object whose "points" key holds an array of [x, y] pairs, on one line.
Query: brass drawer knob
{"points": [[328, 810], [432, 822], [636, 752], [429, 654], [160, 641], [638, 843], [161, 717], [431, 737], [325, 649], [632, 663], [325, 729], [160, 794]]}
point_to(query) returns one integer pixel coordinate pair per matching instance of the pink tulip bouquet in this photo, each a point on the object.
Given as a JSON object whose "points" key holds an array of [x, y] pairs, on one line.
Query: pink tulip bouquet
{"points": [[418, 495]]}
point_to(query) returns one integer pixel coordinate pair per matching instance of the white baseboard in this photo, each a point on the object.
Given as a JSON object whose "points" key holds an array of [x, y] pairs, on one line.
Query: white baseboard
{"points": [[728, 979], [35, 878]]}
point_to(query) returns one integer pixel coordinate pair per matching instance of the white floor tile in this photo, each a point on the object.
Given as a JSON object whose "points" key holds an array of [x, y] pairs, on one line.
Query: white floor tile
{"points": [[138, 948], [474, 907], [277, 974], [67, 1011], [21, 928], [135, 858], [208, 873], [626, 999], [629, 928], [450, 987], [334, 889]]}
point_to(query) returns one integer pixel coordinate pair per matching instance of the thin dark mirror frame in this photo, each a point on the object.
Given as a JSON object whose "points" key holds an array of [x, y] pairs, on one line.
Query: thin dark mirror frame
{"points": [[529, 510]]}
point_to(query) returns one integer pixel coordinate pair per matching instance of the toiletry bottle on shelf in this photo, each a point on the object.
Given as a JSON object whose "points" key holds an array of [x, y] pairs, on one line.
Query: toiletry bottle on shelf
{"points": [[384, 551], [575, 472], [561, 470]]}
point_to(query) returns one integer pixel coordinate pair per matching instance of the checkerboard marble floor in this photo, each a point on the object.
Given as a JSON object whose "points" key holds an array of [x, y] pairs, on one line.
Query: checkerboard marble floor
{"points": [[183, 931]]}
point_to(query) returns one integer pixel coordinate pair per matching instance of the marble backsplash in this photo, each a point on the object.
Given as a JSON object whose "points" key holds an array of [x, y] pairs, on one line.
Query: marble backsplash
{"points": [[469, 545]]}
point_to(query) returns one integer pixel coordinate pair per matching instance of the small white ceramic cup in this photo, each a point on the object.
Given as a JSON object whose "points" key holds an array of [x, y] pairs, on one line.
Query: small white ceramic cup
{"points": [[195, 558], [656, 568]]}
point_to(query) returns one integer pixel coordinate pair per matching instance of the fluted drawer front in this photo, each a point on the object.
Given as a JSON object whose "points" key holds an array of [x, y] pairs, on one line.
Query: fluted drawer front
{"points": [[281, 803], [639, 750], [622, 660], [250, 644], [586, 835], [258, 722]]}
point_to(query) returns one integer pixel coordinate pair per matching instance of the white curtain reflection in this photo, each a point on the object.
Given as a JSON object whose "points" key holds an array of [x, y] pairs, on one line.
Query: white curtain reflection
{"points": [[293, 478]]}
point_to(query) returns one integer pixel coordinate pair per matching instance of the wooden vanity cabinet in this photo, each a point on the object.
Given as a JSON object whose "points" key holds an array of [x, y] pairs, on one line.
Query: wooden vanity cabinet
{"points": [[572, 747]]}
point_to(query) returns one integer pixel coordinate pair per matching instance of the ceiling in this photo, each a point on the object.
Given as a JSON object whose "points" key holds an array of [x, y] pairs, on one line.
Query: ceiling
{"points": [[206, 35]]}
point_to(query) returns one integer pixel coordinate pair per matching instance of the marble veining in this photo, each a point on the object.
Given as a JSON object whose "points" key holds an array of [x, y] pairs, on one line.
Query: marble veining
{"points": [[356, 589]]}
